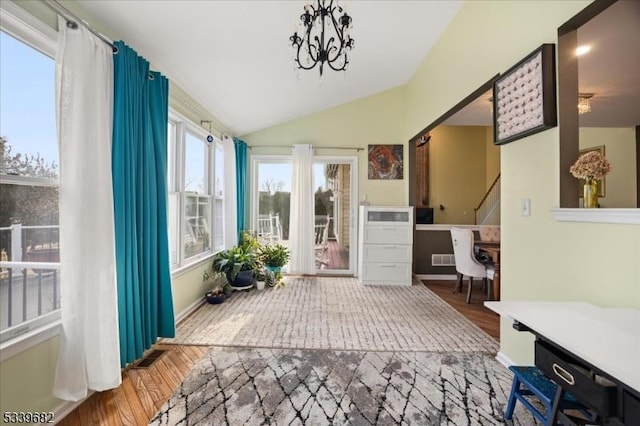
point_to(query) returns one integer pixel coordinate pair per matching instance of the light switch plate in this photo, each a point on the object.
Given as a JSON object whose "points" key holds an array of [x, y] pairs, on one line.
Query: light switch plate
{"points": [[525, 207]]}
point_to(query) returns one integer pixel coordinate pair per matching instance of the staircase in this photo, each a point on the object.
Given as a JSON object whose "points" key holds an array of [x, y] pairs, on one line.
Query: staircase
{"points": [[490, 202]]}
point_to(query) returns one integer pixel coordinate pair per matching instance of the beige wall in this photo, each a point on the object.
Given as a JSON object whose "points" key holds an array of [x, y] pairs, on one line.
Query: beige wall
{"points": [[377, 119], [457, 172], [620, 149]]}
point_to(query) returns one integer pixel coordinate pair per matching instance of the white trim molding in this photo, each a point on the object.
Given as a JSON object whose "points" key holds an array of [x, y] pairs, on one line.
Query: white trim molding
{"points": [[438, 277], [28, 340], [445, 227], [620, 216], [504, 360]]}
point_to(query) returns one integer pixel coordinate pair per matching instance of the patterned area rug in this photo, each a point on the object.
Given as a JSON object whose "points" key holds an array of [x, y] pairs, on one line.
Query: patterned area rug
{"points": [[335, 313], [241, 386]]}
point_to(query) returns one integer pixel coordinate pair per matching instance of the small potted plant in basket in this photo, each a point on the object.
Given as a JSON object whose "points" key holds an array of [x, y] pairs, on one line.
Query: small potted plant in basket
{"points": [[216, 282]]}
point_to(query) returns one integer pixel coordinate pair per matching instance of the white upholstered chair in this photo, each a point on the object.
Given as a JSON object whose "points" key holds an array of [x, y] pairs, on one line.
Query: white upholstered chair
{"points": [[466, 263]]}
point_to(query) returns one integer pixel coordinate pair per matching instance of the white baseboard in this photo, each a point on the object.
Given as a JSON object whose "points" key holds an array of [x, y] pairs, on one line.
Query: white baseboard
{"points": [[66, 407], [504, 360], [436, 277], [192, 307]]}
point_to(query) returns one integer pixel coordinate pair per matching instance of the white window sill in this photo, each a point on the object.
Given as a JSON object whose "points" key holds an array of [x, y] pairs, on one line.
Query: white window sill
{"points": [[28, 340], [623, 216], [194, 263]]}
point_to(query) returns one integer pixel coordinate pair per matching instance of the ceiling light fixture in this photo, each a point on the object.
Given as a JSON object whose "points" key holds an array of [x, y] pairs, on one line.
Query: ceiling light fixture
{"points": [[581, 50], [325, 37], [584, 103]]}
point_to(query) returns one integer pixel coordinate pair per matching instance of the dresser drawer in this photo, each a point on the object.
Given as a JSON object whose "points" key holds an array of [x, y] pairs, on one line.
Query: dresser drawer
{"points": [[388, 234], [387, 253], [594, 391], [386, 273]]}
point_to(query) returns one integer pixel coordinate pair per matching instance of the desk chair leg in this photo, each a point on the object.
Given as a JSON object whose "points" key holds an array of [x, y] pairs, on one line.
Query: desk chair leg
{"points": [[489, 289], [469, 289], [458, 286]]}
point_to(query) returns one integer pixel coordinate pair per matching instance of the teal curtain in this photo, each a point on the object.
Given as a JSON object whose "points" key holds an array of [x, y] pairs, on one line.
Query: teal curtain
{"points": [[241, 184], [139, 169]]}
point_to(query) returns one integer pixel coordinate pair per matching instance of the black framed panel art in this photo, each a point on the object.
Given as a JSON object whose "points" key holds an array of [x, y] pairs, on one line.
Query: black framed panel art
{"points": [[525, 97]]}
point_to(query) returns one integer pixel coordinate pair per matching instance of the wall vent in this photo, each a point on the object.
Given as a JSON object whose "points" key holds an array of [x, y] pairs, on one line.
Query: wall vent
{"points": [[149, 359], [443, 260]]}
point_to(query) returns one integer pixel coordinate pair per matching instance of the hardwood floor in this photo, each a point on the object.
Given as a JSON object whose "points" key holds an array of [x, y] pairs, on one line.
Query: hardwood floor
{"points": [[475, 311], [145, 390], [142, 393]]}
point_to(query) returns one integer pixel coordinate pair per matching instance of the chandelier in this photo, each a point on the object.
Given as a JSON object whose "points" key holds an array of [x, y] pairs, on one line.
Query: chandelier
{"points": [[324, 37], [584, 103]]}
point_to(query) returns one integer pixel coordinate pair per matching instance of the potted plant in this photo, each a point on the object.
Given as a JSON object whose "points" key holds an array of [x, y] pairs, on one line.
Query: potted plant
{"points": [[237, 264], [274, 256], [216, 281], [261, 278]]}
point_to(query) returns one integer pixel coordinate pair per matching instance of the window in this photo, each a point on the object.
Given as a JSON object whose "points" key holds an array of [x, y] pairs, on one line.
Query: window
{"points": [[29, 235], [195, 178]]}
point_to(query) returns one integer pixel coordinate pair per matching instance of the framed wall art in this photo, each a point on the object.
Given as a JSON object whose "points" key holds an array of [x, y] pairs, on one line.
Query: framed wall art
{"points": [[525, 97], [386, 161]]}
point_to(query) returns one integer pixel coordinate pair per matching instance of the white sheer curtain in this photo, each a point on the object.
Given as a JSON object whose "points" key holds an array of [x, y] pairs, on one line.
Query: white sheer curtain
{"points": [[230, 208], [89, 354], [301, 222]]}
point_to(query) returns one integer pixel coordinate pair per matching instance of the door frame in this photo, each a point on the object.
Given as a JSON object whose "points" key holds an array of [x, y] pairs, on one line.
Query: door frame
{"points": [[352, 160]]}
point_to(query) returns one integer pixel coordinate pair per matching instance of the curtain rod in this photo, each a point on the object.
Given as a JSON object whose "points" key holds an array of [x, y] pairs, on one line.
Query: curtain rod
{"points": [[315, 147], [73, 21]]}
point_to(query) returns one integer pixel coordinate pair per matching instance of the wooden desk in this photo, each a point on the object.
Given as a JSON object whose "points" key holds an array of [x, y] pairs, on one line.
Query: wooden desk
{"points": [[603, 342], [493, 250]]}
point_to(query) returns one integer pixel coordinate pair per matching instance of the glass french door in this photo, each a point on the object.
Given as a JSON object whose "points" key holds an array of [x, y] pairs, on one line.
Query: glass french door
{"points": [[335, 208], [335, 213]]}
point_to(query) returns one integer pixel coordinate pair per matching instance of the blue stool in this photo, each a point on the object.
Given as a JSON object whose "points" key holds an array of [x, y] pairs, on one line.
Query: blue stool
{"points": [[529, 381]]}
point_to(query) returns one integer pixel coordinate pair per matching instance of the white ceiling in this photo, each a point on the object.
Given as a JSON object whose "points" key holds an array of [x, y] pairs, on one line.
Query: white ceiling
{"points": [[235, 58]]}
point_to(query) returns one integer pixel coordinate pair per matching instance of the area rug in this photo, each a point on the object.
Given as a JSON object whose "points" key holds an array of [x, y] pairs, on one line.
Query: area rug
{"points": [[242, 386], [338, 314]]}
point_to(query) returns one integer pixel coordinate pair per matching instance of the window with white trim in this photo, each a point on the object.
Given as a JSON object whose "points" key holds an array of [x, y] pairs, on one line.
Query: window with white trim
{"points": [[195, 170], [29, 233]]}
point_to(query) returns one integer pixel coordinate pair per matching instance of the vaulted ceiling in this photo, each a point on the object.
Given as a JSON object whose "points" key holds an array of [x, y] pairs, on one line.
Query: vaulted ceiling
{"points": [[235, 58]]}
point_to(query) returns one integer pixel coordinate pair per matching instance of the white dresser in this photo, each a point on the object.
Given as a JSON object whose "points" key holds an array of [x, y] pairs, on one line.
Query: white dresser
{"points": [[385, 245]]}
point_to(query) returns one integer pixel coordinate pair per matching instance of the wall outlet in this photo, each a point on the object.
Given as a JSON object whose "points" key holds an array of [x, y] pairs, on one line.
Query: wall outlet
{"points": [[525, 207]]}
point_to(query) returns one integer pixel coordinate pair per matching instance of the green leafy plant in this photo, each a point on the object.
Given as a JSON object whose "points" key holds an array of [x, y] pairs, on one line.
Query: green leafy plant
{"points": [[234, 260], [274, 255], [215, 280]]}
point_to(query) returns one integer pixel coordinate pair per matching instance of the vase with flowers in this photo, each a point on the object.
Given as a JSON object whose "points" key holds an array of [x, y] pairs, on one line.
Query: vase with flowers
{"points": [[591, 166]]}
